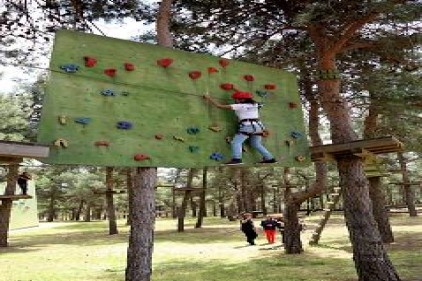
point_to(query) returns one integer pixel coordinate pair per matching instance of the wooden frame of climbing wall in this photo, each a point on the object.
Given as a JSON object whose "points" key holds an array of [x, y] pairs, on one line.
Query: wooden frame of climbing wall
{"points": [[112, 102]]}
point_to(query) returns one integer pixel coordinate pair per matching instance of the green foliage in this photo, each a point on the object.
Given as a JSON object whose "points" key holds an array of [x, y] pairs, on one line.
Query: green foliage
{"points": [[14, 114]]}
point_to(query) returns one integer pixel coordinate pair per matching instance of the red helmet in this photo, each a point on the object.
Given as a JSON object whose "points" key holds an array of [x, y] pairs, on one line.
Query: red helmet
{"points": [[242, 95]]}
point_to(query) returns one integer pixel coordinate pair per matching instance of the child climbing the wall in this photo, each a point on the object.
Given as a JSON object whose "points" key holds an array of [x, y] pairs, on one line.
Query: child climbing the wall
{"points": [[246, 110]]}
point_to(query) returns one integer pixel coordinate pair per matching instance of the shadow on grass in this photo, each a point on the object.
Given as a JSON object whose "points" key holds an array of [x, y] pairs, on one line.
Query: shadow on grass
{"points": [[275, 267], [96, 233]]}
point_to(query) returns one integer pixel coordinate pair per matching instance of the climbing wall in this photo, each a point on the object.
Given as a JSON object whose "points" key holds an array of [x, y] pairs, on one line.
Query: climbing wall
{"points": [[112, 102]]}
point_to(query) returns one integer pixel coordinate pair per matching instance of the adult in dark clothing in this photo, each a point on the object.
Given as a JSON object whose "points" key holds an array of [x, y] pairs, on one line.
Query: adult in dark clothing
{"points": [[269, 225], [248, 228], [23, 182]]}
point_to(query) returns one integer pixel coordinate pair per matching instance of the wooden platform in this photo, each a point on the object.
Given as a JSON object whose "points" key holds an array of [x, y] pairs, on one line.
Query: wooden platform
{"points": [[187, 189], [120, 191], [14, 152], [360, 148], [15, 197], [407, 184]]}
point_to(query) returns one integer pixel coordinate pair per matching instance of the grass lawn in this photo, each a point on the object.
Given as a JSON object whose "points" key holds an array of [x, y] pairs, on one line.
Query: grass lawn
{"points": [[78, 251]]}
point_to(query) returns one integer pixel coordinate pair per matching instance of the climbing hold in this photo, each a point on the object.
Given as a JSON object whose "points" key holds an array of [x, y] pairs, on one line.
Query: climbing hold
{"points": [[292, 105], [179, 138], [249, 78], [212, 70], [124, 125], [69, 67], [215, 128], [290, 142], [129, 66], [62, 119], [270, 86], [224, 62], [102, 143], [227, 86], [192, 130], [165, 62], [296, 134], [108, 93], [61, 143], [141, 157], [193, 148], [262, 94], [300, 158], [83, 120], [265, 133], [228, 139], [195, 74], [90, 61], [217, 156], [159, 137], [110, 72], [125, 94]]}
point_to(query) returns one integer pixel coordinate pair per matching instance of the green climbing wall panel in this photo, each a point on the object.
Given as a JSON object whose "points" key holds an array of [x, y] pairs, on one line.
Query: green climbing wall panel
{"points": [[111, 102]]}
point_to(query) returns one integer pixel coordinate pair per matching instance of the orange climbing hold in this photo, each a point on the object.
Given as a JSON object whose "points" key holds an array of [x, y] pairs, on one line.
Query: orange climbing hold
{"points": [[141, 157]]}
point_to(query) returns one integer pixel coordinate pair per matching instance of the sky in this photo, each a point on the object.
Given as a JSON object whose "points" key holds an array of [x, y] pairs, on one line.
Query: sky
{"points": [[12, 75]]}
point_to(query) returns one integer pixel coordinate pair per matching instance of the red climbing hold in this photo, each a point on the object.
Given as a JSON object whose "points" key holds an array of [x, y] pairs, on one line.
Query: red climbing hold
{"points": [[110, 72], [224, 62], [102, 143], [249, 77], [166, 62], [227, 86], [212, 70], [129, 66], [195, 74], [90, 61], [140, 157], [269, 86]]}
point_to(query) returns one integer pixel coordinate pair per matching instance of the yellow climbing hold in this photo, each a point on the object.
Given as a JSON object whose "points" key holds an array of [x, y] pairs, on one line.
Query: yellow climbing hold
{"points": [[61, 143], [62, 119]]}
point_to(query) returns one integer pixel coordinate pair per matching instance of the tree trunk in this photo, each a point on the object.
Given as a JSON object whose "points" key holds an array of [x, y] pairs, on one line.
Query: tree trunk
{"points": [[111, 212], [202, 208], [87, 213], [379, 210], [221, 202], [409, 195], [375, 192], [292, 242], [79, 210], [129, 186], [371, 260], [186, 197], [51, 206], [6, 204], [141, 239], [292, 229]]}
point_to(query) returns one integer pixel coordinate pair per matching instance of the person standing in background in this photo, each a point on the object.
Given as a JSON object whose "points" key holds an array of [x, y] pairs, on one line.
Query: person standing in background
{"points": [[269, 225], [248, 228], [23, 182]]}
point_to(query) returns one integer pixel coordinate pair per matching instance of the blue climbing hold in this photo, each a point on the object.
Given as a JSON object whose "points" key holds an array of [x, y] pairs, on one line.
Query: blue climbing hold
{"points": [[83, 120], [124, 125], [69, 67], [296, 134], [192, 130], [217, 156], [193, 148], [108, 93]]}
